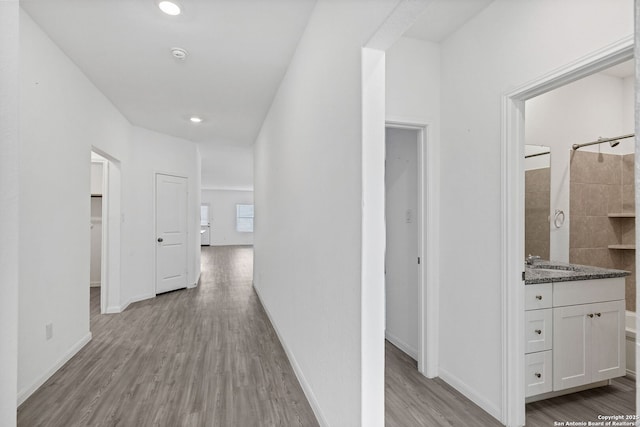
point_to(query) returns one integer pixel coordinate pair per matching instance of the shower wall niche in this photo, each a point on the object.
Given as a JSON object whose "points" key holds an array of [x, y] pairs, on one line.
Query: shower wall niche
{"points": [[602, 214]]}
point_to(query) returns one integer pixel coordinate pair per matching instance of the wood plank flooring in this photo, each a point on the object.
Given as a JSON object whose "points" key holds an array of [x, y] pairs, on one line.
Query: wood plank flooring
{"points": [[198, 357], [209, 357], [619, 398], [413, 400]]}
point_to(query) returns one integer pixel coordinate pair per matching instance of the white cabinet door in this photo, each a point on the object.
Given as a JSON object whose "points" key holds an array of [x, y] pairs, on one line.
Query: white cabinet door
{"points": [[588, 343], [608, 340], [571, 346]]}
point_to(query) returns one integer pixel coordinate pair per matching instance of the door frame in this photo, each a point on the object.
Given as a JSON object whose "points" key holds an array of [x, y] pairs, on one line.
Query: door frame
{"points": [[155, 228], [512, 212], [428, 306]]}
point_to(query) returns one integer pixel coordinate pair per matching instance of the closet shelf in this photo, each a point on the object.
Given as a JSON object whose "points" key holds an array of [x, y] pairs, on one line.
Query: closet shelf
{"points": [[623, 247], [622, 215]]}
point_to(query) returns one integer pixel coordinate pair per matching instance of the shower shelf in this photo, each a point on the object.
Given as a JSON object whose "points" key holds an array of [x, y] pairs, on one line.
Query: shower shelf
{"points": [[622, 215], [623, 247]]}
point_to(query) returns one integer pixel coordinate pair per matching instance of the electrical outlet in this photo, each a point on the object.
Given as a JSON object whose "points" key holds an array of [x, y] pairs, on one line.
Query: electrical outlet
{"points": [[49, 330]]}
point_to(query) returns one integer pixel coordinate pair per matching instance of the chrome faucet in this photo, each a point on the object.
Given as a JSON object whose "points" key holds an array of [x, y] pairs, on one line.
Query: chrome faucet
{"points": [[531, 259]]}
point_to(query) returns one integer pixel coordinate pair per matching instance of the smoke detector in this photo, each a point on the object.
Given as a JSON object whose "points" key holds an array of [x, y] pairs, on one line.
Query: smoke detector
{"points": [[179, 53]]}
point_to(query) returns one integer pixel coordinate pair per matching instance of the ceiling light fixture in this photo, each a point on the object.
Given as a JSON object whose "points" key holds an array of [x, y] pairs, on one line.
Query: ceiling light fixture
{"points": [[169, 8], [195, 119]]}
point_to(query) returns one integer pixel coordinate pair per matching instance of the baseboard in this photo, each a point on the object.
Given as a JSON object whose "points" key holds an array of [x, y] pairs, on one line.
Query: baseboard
{"points": [[470, 393], [25, 393], [115, 309], [631, 374], [406, 348], [306, 388]]}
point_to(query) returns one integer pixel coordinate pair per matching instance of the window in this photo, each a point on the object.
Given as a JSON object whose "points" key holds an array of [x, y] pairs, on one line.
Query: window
{"points": [[244, 218], [204, 215]]}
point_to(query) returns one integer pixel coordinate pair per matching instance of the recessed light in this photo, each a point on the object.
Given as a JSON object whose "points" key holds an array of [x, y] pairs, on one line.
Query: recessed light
{"points": [[195, 119], [170, 8]]}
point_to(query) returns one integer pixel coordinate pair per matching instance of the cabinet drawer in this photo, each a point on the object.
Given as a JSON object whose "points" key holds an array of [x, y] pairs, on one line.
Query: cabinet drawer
{"points": [[588, 291], [538, 296], [538, 328], [538, 375]]}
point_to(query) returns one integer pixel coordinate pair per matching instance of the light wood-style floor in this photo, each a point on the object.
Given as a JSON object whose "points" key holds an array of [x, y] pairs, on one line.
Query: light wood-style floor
{"points": [[209, 357], [199, 357], [618, 398]]}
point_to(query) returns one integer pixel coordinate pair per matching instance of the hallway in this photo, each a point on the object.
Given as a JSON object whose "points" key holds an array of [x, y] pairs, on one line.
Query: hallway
{"points": [[197, 357]]}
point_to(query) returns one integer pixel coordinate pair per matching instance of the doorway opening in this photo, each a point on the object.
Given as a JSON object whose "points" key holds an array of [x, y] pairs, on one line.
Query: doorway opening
{"points": [[410, 255], [95, 274], [402, 255], [513, 219], [105, 232]]}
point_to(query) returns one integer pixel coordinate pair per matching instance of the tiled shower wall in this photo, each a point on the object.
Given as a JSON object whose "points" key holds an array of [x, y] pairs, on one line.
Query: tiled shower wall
{"points": [[602, 184], [537, 183]]}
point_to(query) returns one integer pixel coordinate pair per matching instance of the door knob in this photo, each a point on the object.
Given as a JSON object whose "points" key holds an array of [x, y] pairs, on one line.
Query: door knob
{"points": [[539, 297], [160, 239], [538, 331], [538, 374], [590, 315]]}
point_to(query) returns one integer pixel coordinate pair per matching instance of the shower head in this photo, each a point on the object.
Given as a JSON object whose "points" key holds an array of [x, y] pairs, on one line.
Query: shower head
{"points": [[613, 143]]}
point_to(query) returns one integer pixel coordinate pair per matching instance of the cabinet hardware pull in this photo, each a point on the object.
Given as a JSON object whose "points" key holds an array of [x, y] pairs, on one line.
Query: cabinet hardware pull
{"points": [[538, 374], [538, 331], [538, 297], [598, 314], [590, 315]]}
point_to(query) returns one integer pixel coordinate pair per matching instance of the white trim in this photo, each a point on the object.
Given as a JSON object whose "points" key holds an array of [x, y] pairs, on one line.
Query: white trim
{"points": [[95, 285], [306, 388], [512, 208], [120, 308], [406, 348], [428, 241], [470, 393], [29, 390], [226, 188]]}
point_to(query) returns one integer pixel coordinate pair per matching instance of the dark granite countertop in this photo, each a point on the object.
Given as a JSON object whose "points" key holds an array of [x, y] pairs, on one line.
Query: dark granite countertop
{"points": [[551, 271]]}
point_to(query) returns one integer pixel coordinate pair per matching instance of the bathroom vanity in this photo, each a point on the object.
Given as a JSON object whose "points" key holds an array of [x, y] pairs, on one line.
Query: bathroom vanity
{"points": [[574, 328]]}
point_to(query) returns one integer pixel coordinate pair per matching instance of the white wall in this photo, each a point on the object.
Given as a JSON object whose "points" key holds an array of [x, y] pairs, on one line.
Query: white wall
{"points": [[226, 167], [63, 116], [401, 260], [507, 45], [308, 198], [593, 107], [9, 175], [151, 153], [413, 83], [222, 216], [628, 93], [96, 178]]}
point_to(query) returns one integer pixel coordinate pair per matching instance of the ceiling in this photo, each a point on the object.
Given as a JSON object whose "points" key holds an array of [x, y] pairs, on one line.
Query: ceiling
{"points": [[444, 17], [238, 51]]}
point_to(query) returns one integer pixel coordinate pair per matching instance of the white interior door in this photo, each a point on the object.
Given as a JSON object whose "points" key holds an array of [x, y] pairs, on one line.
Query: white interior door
{"points": [[171, 233], [401, 257]]}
